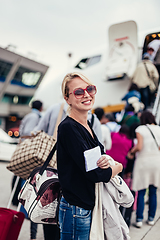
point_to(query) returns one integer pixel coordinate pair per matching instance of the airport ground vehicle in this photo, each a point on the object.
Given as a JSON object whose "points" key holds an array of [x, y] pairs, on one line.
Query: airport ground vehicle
{"points": [[7, 146]]}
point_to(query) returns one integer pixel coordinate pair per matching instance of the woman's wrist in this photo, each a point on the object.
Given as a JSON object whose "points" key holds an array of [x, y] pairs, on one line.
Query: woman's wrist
{"points": [[132, 152], [116, 168]]}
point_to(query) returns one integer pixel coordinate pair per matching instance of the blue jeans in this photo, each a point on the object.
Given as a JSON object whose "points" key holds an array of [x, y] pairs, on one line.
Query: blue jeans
{"points": [[152, 203], [33, 230], [75, 222], [145, 95]]}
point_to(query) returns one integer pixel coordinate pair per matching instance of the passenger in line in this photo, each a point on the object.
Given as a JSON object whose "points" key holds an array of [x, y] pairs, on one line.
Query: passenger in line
{"points": [[27, 125], [146, 172], [121, 145], [149, 54], [133, 92], [131, 116], [127, 212], [106, 135], [146, 78], [75, 137], [155, 45], [111, 123], [31, 120]]}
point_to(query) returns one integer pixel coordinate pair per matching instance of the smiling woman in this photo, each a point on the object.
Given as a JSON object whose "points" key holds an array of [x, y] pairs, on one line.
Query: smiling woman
{"points": [[75, 138]]}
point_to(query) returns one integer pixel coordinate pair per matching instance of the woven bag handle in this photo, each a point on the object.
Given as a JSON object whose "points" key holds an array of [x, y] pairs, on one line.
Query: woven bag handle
{"points": [[27, 136], [58, 121]]}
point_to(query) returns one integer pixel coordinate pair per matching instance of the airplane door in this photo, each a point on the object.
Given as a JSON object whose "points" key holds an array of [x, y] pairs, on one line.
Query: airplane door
{"points": [[123, 50]]}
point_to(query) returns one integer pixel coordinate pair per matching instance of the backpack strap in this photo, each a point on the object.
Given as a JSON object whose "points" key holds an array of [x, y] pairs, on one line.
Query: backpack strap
{"points": [[145, 65]]}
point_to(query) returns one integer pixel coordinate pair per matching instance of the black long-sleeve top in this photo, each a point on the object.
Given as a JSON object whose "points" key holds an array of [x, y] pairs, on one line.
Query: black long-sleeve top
{"points": [[78, 186]]}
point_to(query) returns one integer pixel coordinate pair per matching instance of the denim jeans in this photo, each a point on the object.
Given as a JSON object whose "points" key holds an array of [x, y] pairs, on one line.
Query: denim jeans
{"points": [[75, 222], [145, 94], [152, 203], [33, 230]]}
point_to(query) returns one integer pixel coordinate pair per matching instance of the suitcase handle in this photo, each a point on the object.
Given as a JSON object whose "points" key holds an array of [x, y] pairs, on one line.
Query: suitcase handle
{"points": [[13, 191]]}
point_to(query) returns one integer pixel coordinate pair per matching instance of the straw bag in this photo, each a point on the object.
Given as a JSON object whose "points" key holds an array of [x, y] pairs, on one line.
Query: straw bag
{"points": [[33, 152]]}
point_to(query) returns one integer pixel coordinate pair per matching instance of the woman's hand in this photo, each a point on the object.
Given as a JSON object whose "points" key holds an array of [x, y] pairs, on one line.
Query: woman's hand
{"points": [[103, 162], [130, 155], [117, 168]]}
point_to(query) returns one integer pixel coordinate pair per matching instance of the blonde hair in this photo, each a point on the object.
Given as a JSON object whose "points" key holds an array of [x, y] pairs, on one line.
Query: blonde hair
{"points": [[69, 77]]}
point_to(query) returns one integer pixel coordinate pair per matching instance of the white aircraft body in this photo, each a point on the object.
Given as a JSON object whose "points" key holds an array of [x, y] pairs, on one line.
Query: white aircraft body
{"points": [[110, 72]]}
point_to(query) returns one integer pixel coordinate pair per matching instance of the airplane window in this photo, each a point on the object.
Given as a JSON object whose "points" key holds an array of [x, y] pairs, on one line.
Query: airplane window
{"points": [[94, 60], [86, 62], [82, 64]]}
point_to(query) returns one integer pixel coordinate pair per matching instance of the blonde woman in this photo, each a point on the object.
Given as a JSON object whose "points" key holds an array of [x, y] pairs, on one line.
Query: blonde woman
{"points": [[75, 136]]}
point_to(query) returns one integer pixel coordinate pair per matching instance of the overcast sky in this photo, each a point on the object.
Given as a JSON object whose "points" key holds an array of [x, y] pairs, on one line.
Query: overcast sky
{"points": [[50, 29]]}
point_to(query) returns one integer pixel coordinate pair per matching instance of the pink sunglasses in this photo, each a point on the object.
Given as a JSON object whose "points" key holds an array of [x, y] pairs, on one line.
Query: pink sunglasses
{"points": [[79, 92]]}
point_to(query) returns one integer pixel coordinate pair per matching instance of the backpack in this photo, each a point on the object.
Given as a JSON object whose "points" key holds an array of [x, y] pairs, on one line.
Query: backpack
{"points": [[41, 194]]}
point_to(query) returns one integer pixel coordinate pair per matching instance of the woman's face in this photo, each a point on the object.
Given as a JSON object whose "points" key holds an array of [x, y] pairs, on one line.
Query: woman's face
{"points": [[83, 104]]}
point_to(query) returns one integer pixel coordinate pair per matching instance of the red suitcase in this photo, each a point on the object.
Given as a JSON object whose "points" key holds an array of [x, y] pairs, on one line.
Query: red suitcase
{"points": [[10, 222]]}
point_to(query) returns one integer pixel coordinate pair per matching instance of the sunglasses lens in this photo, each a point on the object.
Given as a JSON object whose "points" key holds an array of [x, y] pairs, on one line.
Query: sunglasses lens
{"points": [[91, 90], [79, 93]]}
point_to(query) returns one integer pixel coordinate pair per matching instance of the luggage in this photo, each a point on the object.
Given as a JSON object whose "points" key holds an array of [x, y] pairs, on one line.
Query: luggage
{"points": [[41, 193], [10, 224], [33, 151], [10, 220]]}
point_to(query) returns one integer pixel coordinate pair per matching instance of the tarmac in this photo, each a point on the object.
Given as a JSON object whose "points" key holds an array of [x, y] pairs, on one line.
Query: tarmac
{"points": [[146, 232]]}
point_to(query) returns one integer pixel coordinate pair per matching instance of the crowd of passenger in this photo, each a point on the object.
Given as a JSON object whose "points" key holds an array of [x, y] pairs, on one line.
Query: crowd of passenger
{"points": [[135, 143]]}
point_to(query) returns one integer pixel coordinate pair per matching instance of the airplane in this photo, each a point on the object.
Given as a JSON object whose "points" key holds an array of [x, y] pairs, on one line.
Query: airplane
{"points": [[110, 71]]}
